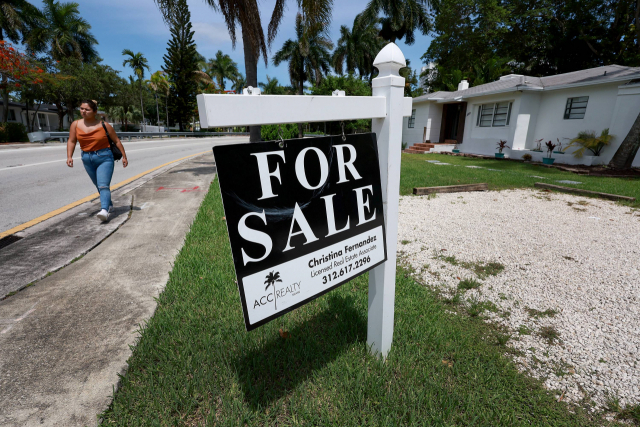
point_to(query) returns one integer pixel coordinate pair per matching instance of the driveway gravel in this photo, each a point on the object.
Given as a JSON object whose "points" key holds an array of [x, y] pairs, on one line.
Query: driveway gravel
{"points": [[570, 290]]}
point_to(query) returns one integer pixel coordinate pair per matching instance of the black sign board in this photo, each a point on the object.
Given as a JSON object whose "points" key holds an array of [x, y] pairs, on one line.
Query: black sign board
{"points": [[304, 216]]}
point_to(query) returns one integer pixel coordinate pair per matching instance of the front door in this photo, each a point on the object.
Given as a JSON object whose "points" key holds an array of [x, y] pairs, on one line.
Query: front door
{"points": [[452, 127]]}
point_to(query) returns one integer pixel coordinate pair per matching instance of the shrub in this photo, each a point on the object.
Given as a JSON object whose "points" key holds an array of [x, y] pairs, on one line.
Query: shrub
{"points": [[527, 157], [270, 132], [587, 140], [13, 132]]}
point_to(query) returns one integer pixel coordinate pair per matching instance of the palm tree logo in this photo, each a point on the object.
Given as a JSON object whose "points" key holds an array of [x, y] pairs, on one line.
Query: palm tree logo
{"points": [[272, 278]]}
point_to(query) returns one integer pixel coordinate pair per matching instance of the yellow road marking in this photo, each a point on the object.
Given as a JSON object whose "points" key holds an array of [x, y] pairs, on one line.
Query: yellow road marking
{"points": [[87, 199]]}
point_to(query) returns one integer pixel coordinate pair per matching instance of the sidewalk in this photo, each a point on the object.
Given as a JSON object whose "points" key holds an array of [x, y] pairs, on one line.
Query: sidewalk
{"points": [[64, 340]]}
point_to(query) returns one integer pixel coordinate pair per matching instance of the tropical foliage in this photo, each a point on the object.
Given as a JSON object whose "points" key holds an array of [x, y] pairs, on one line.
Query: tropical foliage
{"points": [[402, 18], [272, 87], [484, 40], [246, 15], [222, 68], [357, 47], [587, 140], [61, 31], [138, 64], [308, 56], [352, 86]]}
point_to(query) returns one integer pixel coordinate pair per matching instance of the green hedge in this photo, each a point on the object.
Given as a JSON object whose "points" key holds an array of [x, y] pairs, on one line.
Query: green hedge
{"points": [[270, 132], [13, 132]]}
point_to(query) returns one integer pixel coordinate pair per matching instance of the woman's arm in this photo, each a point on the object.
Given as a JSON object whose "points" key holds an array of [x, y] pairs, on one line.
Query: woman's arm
{"points": [[71, 144], [114, 138]]}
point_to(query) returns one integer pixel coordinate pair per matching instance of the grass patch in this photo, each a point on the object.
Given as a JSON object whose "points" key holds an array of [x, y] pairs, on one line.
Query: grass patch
{"points": [[466, 284], [416, 172], [524, 330], [481, 269], [538, 314], [196, 365], [550, 334], [628, 413]]}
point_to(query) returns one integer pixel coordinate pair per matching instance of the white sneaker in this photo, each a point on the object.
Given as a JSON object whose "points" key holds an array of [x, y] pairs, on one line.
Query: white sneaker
{"points": [[111, 209], [103, 215]]}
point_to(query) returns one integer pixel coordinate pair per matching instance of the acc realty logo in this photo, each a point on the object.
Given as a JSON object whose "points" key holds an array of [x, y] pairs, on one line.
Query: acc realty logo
{"points": [[270, 280]]}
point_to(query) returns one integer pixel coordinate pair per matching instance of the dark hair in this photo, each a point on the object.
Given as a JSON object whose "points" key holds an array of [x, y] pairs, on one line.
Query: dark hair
{"points": [[91, 103]]}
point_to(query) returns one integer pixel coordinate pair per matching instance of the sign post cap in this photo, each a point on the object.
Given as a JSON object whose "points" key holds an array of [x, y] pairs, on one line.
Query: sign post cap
{"points": [[389, 60]]}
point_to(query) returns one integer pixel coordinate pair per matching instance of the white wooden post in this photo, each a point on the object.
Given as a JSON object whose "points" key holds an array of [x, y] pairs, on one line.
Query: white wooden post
{"points": [[382, 279]]}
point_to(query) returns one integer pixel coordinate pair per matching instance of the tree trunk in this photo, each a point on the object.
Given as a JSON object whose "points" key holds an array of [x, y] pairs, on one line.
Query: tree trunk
{"points": [[251, 70], [70, 114], [61, 114], [29, 122], [623, 159], [5, 101], [141, 104], [157, 110], [166, 99]]}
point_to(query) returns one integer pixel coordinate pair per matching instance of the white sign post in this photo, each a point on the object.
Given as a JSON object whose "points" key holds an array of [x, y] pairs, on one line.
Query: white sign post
{"points": [[386, 107]]}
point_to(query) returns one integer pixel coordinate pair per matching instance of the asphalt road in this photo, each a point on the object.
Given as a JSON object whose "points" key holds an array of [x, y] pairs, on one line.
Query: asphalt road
{"points": [[35, 180]]}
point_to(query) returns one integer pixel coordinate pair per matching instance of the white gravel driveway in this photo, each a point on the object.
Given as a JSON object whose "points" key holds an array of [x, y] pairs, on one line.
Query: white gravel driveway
{"points": [[575, 260]]}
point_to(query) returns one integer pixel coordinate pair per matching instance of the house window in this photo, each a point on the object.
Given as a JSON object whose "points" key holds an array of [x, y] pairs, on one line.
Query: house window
{"points": [[576, 107], [42, 119], [494, 115], [12, 115], [412, 120]]}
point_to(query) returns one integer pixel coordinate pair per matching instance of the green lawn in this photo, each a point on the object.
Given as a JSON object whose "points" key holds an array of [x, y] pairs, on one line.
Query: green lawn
{"points": [[196, 365], [417, 172]]}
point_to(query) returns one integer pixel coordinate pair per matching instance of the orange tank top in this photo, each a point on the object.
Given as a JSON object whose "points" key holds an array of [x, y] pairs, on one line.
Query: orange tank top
{"points": [[93, 140]]}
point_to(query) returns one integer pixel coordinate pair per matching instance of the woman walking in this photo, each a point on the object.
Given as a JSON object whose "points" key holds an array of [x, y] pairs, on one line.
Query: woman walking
{"points": [[97, 157]]}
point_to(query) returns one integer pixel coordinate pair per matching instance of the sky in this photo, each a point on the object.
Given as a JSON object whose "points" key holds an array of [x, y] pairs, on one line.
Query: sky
{"points": [[138, 25]]}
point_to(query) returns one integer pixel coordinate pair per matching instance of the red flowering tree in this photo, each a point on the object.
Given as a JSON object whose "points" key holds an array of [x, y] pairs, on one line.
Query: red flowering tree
{"points": [[16, 71]]}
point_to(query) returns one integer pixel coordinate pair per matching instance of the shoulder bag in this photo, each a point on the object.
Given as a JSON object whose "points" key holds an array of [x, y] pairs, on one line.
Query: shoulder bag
{"points": [[117, 155]]}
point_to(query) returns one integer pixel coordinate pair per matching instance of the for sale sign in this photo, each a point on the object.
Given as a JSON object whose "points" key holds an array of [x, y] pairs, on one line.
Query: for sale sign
{"points": [[304, 216]]}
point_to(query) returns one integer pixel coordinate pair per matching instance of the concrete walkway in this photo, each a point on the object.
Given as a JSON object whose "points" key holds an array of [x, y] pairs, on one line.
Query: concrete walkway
{"points": [[64, 340]]}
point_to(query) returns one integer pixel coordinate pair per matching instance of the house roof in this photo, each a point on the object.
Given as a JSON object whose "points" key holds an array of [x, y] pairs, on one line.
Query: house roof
{"points": [[517, 82], [44, 108]]}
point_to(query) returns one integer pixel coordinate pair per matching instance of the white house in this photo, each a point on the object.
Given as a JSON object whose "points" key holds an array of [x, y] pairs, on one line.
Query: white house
{"points": [[46, 120], [522, 109]]}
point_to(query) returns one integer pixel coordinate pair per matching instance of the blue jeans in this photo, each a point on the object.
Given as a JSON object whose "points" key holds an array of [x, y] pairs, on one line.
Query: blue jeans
{"points": [[99, 165]]}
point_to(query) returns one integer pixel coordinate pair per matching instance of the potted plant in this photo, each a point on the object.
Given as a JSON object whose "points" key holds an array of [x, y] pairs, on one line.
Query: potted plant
{"points": [[538, 145], [455, 149], [558, 147], [502, 144], [587, 140], [548, 160]]}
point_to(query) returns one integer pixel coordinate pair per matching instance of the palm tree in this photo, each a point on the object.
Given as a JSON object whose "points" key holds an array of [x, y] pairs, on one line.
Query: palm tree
{"points": [[357, 47], [271, 281], [222, 67], [271, 87], [63, 32], [628, 149], [154, 84], [308, 57], [239, 83], [246, 14], [165, 86], [402, 18], [138, 63]]}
